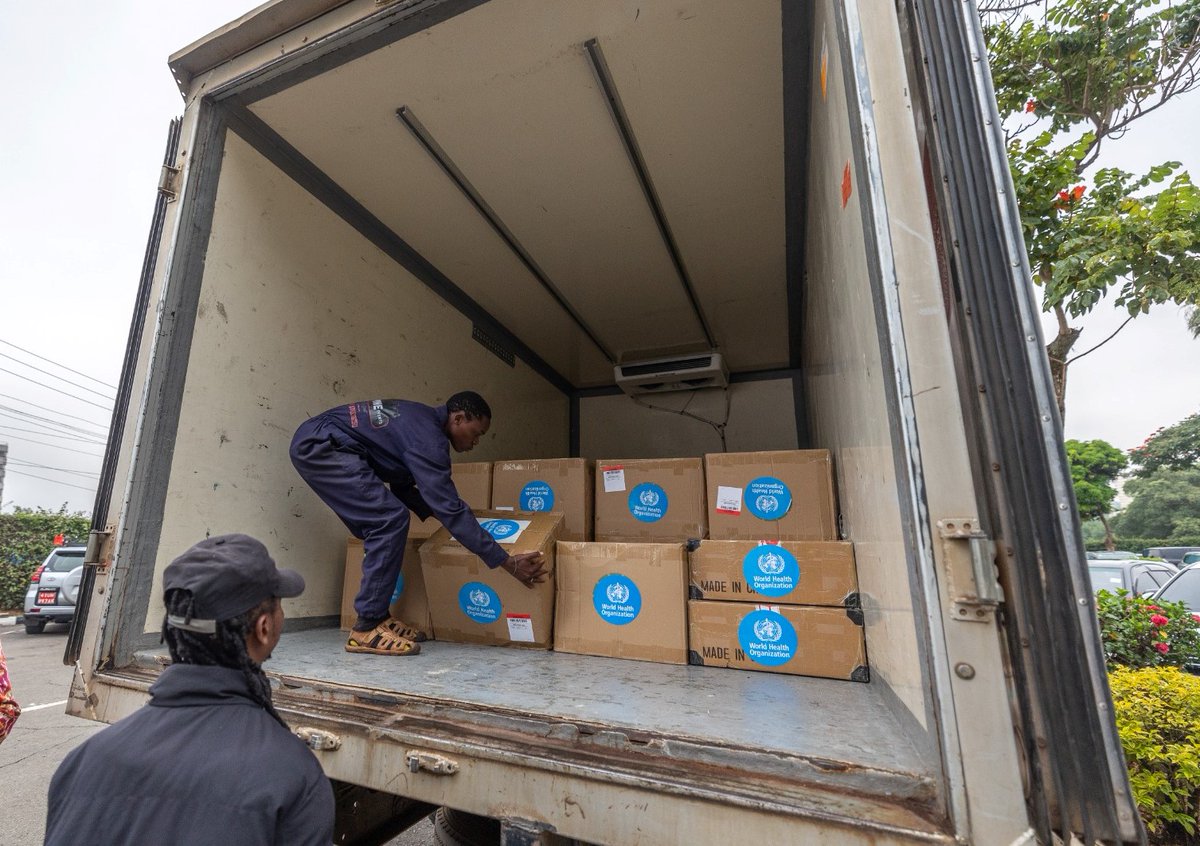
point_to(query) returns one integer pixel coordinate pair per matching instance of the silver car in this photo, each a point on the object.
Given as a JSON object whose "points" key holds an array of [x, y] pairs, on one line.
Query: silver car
{"points": [[53, 589]]}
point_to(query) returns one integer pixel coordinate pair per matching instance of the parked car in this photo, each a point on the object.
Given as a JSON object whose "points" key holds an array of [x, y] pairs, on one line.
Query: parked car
{"points": [[1173, 554], [1183, 587], [1115, 555], [1189, 558], [53, 589], [1139, 576]]}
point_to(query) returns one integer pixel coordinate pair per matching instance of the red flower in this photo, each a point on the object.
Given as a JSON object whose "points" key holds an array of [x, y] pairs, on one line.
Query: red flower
{"points": [[1077, 192], [1162, 647], [1153, 608], [1158, 620], [1030, 105], [1064, 196]]}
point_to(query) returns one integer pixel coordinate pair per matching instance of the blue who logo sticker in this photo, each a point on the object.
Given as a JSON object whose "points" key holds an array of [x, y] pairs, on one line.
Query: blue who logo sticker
{"points": [[648, 502], [399, 588], [771, 570], [617, 599], [479, 602], [537, 496], [501, 529], [767, 637], [767, 498]]}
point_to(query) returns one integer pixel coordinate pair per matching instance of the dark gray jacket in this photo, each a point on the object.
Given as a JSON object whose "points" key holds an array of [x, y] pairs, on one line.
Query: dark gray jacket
{"points": [[202, 763]]}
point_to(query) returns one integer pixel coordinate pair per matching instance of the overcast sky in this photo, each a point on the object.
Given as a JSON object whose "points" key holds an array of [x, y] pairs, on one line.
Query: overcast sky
{"points": [[86, 98]]}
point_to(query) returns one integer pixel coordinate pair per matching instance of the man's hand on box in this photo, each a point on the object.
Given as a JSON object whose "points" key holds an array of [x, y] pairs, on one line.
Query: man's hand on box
{"points": [[529, 568]]}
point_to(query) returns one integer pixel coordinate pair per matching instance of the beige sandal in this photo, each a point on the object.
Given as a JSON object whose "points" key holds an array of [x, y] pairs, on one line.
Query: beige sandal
{"points": [[404, 630], [381, 641]]}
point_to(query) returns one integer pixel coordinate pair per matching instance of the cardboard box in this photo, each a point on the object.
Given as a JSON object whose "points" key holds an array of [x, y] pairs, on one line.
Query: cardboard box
{"points": [[786, 495], [787, 573], [408, 604], [801, 640], [622, 600], [547, 484], [650, 499], [470, 603], [473, 479]]}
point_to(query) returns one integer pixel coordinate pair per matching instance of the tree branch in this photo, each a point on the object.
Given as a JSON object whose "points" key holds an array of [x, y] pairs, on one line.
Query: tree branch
{"points": [[1102, 343]]}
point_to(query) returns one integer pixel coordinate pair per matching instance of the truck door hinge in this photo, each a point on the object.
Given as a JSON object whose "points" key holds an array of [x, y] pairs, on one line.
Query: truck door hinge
{"points": [[168, 182], [317, 739], [430, 762], [977, 593]]}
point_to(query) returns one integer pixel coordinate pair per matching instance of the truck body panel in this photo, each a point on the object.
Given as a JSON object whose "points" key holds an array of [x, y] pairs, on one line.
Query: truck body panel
{"points": [[511, 236]]}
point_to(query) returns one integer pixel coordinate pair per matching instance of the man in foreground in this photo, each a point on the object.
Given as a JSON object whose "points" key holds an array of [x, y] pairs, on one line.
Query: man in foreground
{"points": [[208, 760], [349, 456]]}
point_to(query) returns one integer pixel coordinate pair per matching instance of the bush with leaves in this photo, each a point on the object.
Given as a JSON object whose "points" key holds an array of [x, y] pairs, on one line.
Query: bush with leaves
{"points": [[26, 538], [1157, 710], [1140, 632]]}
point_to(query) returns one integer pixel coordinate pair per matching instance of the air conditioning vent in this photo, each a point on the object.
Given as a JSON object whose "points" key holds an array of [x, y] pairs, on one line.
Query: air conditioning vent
{"points": [[682, 373]]}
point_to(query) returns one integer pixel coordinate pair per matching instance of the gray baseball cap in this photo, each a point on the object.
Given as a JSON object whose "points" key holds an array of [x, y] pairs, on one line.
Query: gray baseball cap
{"points": [[227, 576]]}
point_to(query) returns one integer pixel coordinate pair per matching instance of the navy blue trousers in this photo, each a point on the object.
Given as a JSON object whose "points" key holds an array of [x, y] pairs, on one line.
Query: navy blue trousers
{"points": [[336, 468]]}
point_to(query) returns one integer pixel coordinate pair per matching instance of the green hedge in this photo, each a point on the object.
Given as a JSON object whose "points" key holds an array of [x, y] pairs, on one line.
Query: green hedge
{"points": [[1138, 544], [1157, 711], [26, 538]]}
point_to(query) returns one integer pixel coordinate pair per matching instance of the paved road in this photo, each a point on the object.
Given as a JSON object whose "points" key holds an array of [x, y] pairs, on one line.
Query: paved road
{"points": [[44, 734]]}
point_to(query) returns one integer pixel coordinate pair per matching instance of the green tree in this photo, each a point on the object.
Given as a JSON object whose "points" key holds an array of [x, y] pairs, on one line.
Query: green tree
{"points": [[1174, 447], [1070, 75], [1094, 467], [1165, 504]]}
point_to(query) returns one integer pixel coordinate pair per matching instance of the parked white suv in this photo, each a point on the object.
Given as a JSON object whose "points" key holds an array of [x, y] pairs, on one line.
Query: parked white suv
{"points": [[53, 589]]}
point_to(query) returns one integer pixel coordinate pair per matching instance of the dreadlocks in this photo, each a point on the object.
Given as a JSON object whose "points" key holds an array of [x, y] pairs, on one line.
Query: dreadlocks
{"points": [[225, 648]]}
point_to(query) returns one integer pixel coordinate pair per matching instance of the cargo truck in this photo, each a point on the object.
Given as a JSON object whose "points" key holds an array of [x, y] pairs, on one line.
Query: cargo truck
{"points": [[570, 207]]}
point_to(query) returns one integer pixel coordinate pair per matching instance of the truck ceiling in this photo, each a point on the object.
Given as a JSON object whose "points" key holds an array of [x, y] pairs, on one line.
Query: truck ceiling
{"points": [[605, 180]]}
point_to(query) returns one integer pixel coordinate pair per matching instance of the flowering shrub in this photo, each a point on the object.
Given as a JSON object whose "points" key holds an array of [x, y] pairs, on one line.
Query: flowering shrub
{"points": [[1139, 632], [1157, 710]]}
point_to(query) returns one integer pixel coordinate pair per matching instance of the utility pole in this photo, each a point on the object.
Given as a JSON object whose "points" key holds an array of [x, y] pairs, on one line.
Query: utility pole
{"points": [[3, 464]]}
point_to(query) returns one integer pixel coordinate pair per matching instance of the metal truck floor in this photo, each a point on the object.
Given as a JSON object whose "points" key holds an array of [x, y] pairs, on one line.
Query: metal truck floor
{"points": [[816, 718]]}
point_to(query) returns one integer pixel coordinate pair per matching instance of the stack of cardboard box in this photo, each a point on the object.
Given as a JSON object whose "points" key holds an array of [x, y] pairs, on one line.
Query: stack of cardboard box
{"points": [[786, 604], [730, 560]]}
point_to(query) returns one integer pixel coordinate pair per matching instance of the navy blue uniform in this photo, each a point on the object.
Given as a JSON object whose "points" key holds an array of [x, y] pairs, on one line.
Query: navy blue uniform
{"points": [[346, 455], [201, 764]]}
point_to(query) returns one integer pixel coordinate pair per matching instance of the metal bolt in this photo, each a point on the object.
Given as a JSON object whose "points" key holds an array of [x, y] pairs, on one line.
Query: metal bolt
{"points": [[964, 670], [1082, 600], [1062, 506], [996, 466]]}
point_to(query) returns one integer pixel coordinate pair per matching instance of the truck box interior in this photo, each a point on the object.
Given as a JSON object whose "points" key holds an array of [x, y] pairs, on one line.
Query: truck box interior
{"points": [[513, 197]]}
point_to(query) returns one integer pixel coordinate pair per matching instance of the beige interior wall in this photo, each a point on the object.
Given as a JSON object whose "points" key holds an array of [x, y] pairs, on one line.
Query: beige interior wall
{"points": [[298, 313], [762, 416], [845, 382]]}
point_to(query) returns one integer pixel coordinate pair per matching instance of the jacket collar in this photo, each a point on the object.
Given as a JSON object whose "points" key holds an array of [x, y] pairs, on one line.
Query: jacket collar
{"points": [[184, 685]]}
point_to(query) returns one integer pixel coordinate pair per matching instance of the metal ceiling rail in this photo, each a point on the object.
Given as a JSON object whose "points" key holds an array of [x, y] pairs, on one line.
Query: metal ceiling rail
{"points": [[634, 152], [439, 155]]}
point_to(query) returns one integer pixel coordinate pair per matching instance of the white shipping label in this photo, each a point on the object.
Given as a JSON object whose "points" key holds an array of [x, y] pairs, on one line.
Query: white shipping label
{"points": [[614, 479], [729, 500], [520, 627], [503, 508]]}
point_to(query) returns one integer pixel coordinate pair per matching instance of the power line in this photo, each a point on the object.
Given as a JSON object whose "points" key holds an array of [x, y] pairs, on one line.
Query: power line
{"points": [[42, 384], [56, 446], [56, 376], [27, 417], [51, 481], [56, 364], [62, 436], [59, 413], [56, 390], [13, 461]]}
